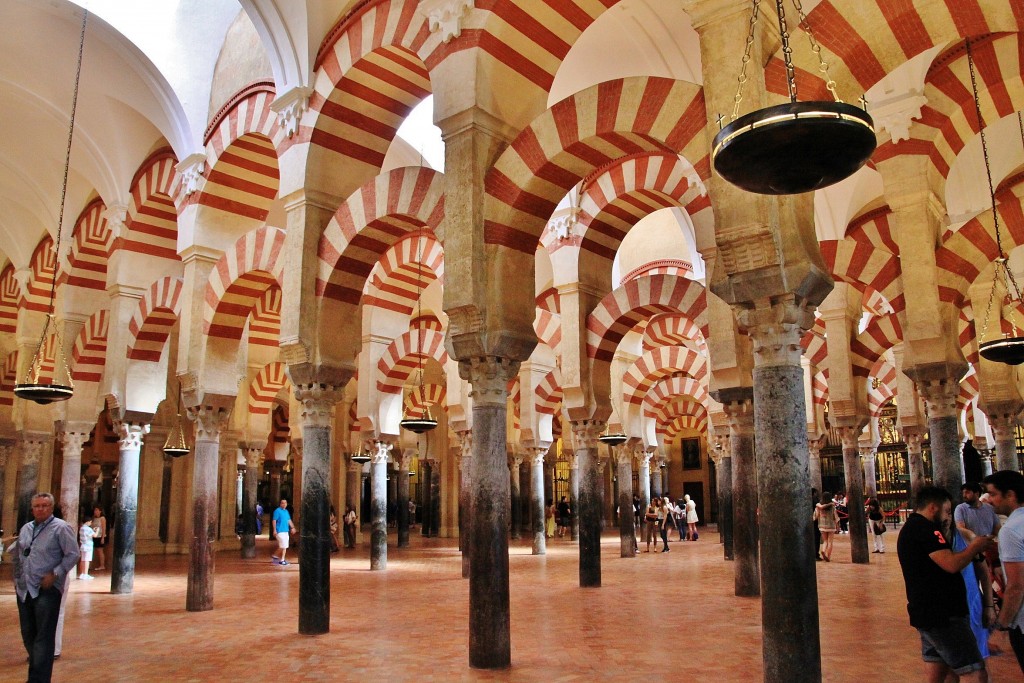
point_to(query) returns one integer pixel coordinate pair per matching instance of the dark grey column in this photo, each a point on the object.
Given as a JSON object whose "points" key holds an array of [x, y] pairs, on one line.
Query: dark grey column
{"points": [[723, 482], [789, 590], [275, 467], [627, 533], [6, 449], [1003, 420], [317, 402], [915, 461], [738, 405], [540, 546], [31, 452], [656, 478], [516, 506], [435, 498], [867, 456], [939, 385], [585, 434], [814, 463], [403, 498], [250, 480], [353, 492], [379, 506], [644, 477], [490, 645], [210, 418], [122, 574], [465, 502], [853, 469], [75, 435], [426, 507], [574, 495]]}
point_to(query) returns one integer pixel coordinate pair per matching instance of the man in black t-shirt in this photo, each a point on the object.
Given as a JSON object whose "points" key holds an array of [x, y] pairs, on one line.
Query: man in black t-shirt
{"points": [[936, 593]]}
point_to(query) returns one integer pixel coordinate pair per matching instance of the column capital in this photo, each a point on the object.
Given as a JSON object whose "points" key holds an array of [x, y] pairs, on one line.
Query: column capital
{"points": [[515, 460], [73, 441], [488, 377], [6, 449], [814, 446], [867, 451], [622, 455], [939, 396], [850, 434], [1002, 416], [537, 453], [210, 419], [586, 432], [740, 412], [913, 438], [318, 401], [253, 452], [130, 435], [465, 439], [382, 449], [776, 325]]}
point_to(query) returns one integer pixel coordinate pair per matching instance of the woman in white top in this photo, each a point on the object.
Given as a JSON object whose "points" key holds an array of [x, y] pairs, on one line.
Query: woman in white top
{"points": [[691, 519]]}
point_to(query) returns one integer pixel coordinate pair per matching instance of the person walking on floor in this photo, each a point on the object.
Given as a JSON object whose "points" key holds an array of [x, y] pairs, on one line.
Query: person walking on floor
{"points": [[664, 522], [1006, 491], [283, 527], [85, 548], [825, 515], [650, 521], [99, 523], [876, 518], [691, 519], [349, 521]]}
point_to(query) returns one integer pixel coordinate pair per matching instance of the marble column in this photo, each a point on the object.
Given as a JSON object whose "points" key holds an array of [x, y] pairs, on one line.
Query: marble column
{"points": [[317, 401], [814, 447], [379, 506], [915, 462], [537, 499], [585, 434], [28, 485], [74, 436], [210, 417], [602, 490], [6, 449], [1004, 429], [643, 459], [276, 467], [624, 471], [426, 507], [789, 590], [403, 496], [250, 478], [943, 435], [739, 407], [986, 456], [490, 645], [465, 439], [130, 430], [656, 478], [853, 468], [574, 496], [435, 497], [722, 455], [516, 494], [868, 455]]}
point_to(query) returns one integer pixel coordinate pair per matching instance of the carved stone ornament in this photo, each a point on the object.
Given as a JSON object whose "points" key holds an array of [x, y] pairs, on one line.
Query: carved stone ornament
{"points": [[749, 252], [515, 460], [31, 451], [622, 455], [867, 452], [537, 455], [776, 328], [290, 107], [445, 16], [129, 435], [489, 377], [465, 443], [1003, 424], [913, 439], [896, 114], [850, 437], [586, 432], [939, 397], [73, 442], [210, 420], [741, 417], [318, 401], [642, 455], [382, 449], [253, 454], [191, 170]]}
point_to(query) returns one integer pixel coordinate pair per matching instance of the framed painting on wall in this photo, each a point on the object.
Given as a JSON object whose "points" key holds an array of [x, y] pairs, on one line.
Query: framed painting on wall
{"points": [[691, 454]]}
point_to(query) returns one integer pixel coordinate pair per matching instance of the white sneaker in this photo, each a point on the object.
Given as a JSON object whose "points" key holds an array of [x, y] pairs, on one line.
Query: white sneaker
{"points": [[87, 577]]}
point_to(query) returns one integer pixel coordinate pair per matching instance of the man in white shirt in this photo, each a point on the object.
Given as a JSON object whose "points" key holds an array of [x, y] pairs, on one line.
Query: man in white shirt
{"points": [[1006, 491]]}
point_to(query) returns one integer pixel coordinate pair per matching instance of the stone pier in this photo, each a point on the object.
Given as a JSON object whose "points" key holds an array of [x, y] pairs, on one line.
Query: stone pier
{"points": [[210, 417], [130, 430], [585, 434], [379, 506]]}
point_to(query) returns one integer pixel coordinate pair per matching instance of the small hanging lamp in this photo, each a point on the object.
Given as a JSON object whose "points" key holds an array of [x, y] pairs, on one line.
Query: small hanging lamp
{"points": [[616, 439], [419, 425], [361, 457], [794, 147], [35, 385], [176, 446], [1006, 348]]}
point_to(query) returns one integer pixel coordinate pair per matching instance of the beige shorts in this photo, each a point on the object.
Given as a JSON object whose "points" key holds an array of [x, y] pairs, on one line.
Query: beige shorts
{"points": [[282, 540]]}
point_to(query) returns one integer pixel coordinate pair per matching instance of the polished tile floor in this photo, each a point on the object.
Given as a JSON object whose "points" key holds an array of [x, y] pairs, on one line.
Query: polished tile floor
{"points": [[665, 616]]}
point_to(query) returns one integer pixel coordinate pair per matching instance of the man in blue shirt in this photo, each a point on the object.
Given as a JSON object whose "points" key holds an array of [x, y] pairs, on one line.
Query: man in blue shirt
{"points": [[1006, 491], [45, 552], [972, 515], [282, 524]]}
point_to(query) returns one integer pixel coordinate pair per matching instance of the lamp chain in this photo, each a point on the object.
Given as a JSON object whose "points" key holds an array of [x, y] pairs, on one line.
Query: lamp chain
{"points": [[742, 79], [787, 51], [816, 49]]}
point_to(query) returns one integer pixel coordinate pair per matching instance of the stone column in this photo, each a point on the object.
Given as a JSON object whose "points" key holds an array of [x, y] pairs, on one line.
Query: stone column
{"points": [[1004, 427], [403, 497], [643, 459], [130, 430], [379, 506], [32, 444], [490, 645], [250, 478], [276, 467], [656, 478], [516, 494], [789, 590], [6, 449], [435, 497], [814, 447], [602, 488], [574, 496], [986, 456], [915, 462], [721, 453], [296, 455], [853, 468], [868, 455], [537, 499], [585, 434], [75, 435], [738, 404], [210, 416], [425, 502], [627, 532], [939, 393], [465, 498], [317, 401]]}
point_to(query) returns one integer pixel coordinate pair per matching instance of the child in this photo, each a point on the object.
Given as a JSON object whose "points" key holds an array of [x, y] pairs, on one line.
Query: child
{"points": [[85, 536]]}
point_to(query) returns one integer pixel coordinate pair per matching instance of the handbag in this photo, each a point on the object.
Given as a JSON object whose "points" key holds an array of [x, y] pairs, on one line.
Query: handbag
{"points": [[879, 528]]}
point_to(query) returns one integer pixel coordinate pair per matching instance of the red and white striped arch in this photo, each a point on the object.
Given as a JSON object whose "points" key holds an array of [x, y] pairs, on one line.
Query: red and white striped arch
{"points": [[89, 355], [876, 304], [151, 323], [9, 379], [42, 271], [882, 333], [280, 431], [670, 411], [404, 271], [265, 386], [243, 180], [862, 265], [672, 388], [90, 249], [548, 394], [671, 330], [594, 127], [240, 280], [404, 355], [636, 300], [819, 388], [969, 389], [885, 373], [548, 327], [656, 364], [514, 400], [370, 222], [549, 300], [10, 298], [265, 324], [152, 220], [874, 228], [421, 397], [815, 344], [684, 423]]}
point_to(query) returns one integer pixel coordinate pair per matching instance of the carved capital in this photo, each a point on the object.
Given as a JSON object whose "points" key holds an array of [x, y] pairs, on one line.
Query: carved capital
{"points": [[465, 444], [31, 452], [515, 460], [867, 451], [73, 442], [776, 327], [318, 401], [6, 449], [446, 16], [586, 432], [574, 461], [382, 449], [253, 452], [130, 434], [643, 456], [939, 396], [814, 446], [191, 170], [721, 446], [913, 438], [896, 114], [210, 420], [537, 454], [405, 459], [1003, 417], [741, 416], [290, 107], [489, 377], [622, 455], [850, 436]]}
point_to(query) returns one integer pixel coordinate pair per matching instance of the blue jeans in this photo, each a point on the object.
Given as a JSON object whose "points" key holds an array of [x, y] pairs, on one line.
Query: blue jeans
{"points": [[38, 631]]}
